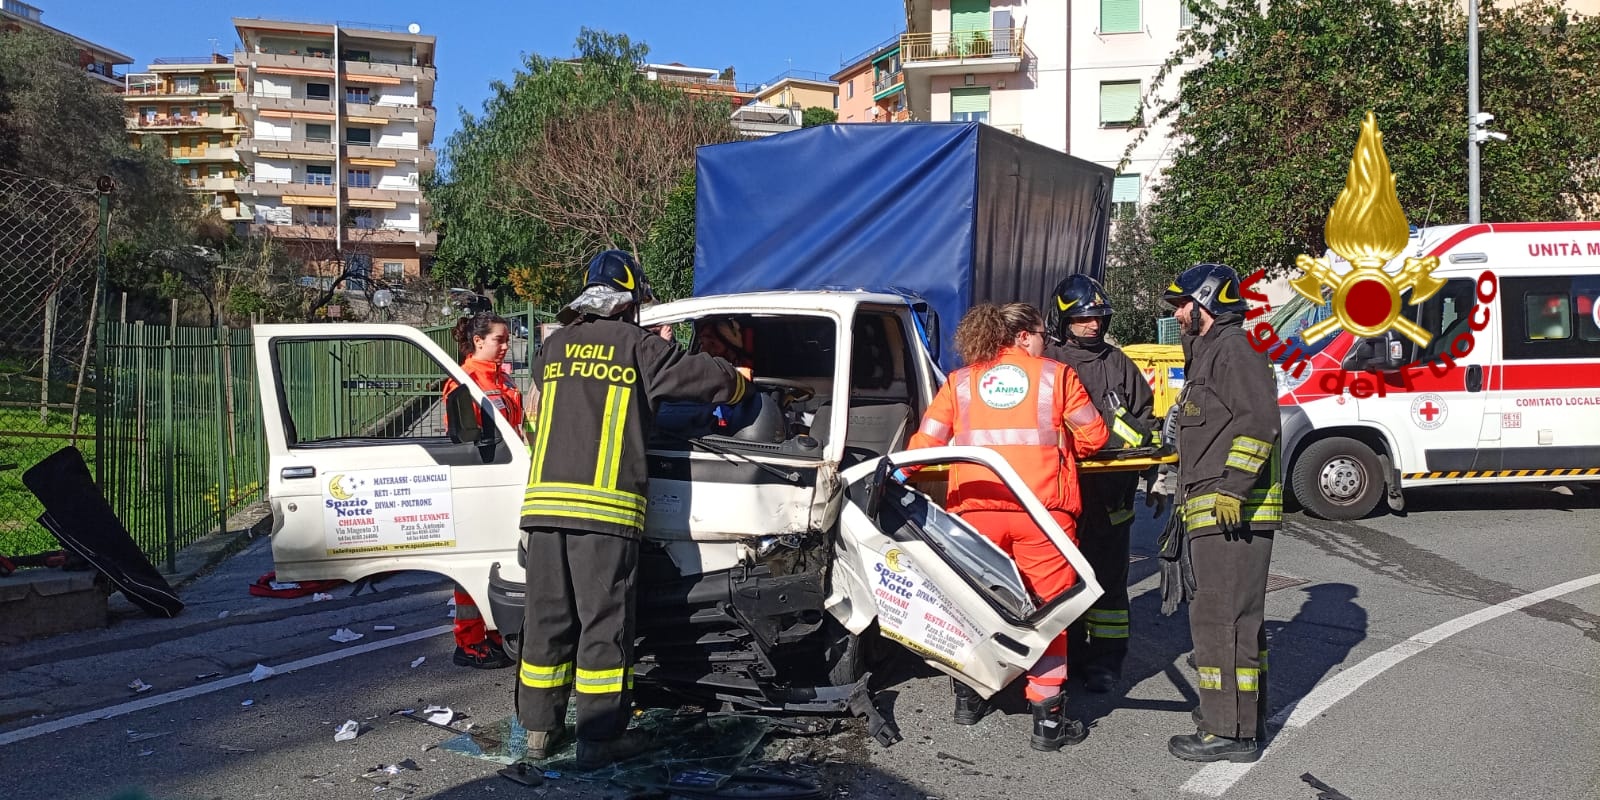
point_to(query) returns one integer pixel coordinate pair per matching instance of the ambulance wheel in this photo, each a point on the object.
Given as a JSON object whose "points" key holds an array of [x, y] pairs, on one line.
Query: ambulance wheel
{"points": [[1338, 478]]}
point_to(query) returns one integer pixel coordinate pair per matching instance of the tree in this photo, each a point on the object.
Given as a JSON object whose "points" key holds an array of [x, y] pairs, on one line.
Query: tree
{"points": [[615, 142], [668, 256], [817, 115], [1135, 281], [1264, 129]]}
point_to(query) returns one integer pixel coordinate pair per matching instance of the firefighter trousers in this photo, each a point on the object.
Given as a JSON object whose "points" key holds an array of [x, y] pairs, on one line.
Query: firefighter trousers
{"points": [[1227, 625], [1099, 640], [1046, 573], [577, 631]]}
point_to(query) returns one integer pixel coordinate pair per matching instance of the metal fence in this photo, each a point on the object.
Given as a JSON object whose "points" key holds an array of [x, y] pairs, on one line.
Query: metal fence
{"points": [[51, 241]]}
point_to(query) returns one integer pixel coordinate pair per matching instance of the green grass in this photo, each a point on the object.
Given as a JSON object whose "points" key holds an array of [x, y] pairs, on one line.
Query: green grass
{"points": [[20, 533]]}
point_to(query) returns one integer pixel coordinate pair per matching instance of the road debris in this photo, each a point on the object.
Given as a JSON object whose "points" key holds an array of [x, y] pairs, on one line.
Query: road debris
{"points": [[227, 748], [522, 773], [348, 731], [261, 673], [948, 757], [321, 596], [140, 737], [139, 686], [207, 676], [345, 636], [383, 627], [1324, 791], [418, 662], [440, 715], [247, 703], [222, 614]]}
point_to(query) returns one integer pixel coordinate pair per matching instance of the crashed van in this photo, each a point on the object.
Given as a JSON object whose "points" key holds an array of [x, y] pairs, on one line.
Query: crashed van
{"points": [[773, 555]]}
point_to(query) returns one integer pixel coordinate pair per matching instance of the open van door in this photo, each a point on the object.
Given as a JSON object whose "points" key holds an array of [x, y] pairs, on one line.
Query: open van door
{"points": [[935, 584], [367, 472]]}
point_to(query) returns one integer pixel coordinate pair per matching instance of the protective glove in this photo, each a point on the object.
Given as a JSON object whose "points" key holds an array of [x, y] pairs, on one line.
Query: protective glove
{"points": [[1156, 493], [1228, 511]]}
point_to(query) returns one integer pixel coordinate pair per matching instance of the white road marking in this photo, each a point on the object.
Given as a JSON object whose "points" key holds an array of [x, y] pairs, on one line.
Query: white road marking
{"points": [[76, 720], [1216, 778]]}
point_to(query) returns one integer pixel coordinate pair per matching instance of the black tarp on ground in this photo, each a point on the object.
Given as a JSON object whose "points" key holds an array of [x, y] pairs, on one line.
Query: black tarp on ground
{"points": [[78, 514]]}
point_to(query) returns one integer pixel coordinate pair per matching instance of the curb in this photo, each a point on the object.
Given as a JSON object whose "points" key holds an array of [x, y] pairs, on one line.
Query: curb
{"points": [[205, 553]]}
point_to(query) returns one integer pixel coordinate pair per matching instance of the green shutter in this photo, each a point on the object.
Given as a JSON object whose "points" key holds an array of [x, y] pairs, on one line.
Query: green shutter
{"points": [[1119, 103], [969, 100], [1125, 189], [1119, 16], [969, 15]]}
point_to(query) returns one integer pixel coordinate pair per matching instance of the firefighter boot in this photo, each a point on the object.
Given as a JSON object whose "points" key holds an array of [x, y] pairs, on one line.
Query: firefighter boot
{"points": [[1202, 746], [1052, 728], [544, 744], [970, 706], [594, 754]]}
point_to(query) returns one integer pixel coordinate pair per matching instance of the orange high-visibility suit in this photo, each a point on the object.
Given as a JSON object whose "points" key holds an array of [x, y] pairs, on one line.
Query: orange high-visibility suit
{"points": [[1036, 414]]}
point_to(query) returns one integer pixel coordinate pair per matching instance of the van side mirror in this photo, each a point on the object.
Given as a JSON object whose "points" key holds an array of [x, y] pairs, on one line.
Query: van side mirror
{"points": [[1386, 353], [461, 416]]}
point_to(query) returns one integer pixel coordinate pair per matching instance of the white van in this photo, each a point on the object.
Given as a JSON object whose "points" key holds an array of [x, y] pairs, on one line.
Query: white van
{"points": [[1369, 417]]}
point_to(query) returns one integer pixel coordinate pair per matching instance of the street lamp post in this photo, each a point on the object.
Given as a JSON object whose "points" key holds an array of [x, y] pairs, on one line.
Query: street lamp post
{"points": [[1477, 134]]}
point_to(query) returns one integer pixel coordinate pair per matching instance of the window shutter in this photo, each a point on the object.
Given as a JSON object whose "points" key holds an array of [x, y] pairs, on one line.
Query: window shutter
{"points": [[1185, 14], [1125, 189], [969, 15], [969, 100], [1119, 103], [1119, 16]]}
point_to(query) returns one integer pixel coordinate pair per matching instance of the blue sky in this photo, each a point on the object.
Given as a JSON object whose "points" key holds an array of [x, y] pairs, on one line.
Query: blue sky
{"points": [[483, 40]]}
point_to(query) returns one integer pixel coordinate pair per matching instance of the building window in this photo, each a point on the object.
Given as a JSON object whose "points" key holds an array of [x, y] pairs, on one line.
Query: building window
{"points": [[969, 105], [394, 271], [319, 91], [357, 94], [850, 89], [359, 266], [359, 178], [319, 133], [362, 136], [1119, 16], [319, 216], [357, 55], [1125, 196], [186, 84], [319, 175], [1119, 104], [363, 219], [1185, 15]]}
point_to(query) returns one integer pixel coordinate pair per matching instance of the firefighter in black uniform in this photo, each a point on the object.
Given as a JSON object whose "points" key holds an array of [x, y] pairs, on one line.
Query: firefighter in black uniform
{"points": [[601, 379], [1098, 642], [1230, 502]]}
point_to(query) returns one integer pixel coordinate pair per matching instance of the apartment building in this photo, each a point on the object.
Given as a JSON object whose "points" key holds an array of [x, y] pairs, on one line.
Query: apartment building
{"points": [[702, 82], [338, 127], [872, 85], [98, 61], [186, 105]]}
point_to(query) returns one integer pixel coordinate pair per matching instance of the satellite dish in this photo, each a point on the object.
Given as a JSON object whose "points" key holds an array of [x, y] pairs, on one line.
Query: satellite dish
{"points": [[382, 298], [414, 28]]}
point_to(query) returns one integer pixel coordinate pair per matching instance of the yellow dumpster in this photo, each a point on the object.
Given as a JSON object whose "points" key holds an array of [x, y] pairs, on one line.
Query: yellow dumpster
{"points": [[1162, 365]]}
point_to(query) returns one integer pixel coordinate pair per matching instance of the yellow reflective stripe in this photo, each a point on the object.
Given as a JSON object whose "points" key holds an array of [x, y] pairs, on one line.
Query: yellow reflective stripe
{"points": [[1097, 630], [539, 676], [603, 681], [1211, 678], [1244, 462], [583, 494], [593, 513], [1247, 679], [1127, 433], [609, 461], [1121, 516], [1263, 662], [547, 404], [1106, 615], [1247, 445], [738, 392]]}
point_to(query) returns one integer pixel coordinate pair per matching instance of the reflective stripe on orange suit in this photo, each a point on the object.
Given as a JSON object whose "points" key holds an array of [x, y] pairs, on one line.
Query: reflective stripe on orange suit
{"points": [[1053, 424]]}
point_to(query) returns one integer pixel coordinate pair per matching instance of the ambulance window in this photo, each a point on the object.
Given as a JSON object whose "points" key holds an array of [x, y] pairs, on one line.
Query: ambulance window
{"points": [[1445, 315], [1551, 317]]}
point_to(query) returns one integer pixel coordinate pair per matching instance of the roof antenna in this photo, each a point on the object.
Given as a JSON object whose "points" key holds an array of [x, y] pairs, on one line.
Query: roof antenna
{"points": [[1428, 218]]}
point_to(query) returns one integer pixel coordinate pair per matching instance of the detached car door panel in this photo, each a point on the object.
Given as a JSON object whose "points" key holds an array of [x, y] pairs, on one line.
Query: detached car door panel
{"points": [[364, 476], [936, 585]]}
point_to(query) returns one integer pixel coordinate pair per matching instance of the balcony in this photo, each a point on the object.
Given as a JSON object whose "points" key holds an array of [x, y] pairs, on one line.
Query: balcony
{"points": [[297, 231], [954, 53], [164, 122], [384, 69], [213, 184], [424, 240], [235, 213], [373, 194], [285, 63], [422, 157], [167, 91], [184, 155], [297, 149], [286, 189], [292, 107], [887, 84], [379, 113]]}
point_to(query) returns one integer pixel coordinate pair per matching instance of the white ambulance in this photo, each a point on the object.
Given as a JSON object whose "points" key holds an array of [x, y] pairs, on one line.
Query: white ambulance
{"points": [[1506, 390]]}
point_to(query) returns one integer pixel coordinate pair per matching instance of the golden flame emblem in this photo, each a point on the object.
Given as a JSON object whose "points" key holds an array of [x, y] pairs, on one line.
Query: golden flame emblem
{"points": [[1367, 228]]}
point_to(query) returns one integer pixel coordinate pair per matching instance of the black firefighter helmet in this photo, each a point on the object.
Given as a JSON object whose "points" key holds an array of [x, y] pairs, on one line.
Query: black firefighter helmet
{"points": [[616, 269], [1213, 287], [1077, 295]]}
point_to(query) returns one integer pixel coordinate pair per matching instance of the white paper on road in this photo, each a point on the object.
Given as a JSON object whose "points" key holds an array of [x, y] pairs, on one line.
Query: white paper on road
{"points": [[345, 636], [376, 510], [261, 673], [440, 715], [347, 731], [139, 686], [418, 662]]}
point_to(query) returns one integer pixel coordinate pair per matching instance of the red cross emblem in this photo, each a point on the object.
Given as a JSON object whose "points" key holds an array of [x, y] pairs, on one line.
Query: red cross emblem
{"points": [[1428, 411]]}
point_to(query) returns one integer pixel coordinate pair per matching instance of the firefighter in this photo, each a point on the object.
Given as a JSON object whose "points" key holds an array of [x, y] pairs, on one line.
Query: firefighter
{"points": [[601, 379], [1099, 641], [1035, 414], [1229, 504]]}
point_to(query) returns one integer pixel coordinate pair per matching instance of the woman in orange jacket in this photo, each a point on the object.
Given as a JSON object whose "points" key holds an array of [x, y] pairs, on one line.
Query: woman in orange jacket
{"points": [[1036, 414], [483, 340]]}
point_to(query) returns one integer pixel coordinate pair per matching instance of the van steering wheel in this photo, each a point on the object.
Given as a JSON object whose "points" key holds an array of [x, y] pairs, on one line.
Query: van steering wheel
{"points": [[792, 391]]}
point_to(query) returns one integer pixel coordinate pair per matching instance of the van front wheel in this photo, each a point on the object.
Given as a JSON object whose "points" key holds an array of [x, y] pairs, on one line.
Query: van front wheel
{"points": [[1338, 478]]}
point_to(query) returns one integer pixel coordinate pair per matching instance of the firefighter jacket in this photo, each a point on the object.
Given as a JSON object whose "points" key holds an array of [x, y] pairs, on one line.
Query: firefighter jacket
{"points": [[1117, 388], [495, 383], [1033, 411], [600, 384], [1227, 421]]}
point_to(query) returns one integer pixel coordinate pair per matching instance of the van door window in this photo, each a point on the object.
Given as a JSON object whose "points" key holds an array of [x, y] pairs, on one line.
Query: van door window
{"points": [[346, 391], [1445, 315], [1550, 317]]}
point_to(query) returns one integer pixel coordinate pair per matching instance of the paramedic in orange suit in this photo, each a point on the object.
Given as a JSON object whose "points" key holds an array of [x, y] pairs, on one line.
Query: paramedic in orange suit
{"points": [[1034, 413]]}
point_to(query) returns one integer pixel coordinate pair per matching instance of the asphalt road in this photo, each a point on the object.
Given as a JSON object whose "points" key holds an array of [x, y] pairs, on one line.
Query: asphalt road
{"points": [[1410, 658]]}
